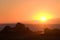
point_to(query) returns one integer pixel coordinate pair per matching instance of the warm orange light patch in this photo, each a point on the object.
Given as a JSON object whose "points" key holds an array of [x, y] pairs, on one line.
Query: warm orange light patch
{"points": [[43, 16]]}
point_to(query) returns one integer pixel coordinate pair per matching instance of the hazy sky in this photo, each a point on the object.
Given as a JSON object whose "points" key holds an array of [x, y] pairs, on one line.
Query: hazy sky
{"points": [[20, 10]]}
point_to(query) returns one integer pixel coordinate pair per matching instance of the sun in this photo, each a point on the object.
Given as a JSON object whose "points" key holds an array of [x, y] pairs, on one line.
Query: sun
{"points": [[43, 19]]}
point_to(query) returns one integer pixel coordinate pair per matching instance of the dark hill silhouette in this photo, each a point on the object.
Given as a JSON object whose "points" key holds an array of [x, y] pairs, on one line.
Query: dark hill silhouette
{"points": [[52, 34], [20, 32], [21, 28], [6, 29]]}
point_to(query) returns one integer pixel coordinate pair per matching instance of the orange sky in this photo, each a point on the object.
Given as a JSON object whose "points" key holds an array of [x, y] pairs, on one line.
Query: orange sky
{"points": [[19, 10]]}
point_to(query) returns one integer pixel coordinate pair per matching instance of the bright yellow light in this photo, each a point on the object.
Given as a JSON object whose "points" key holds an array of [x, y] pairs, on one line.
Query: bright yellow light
{"points": [[43, 19], [43, 16]]}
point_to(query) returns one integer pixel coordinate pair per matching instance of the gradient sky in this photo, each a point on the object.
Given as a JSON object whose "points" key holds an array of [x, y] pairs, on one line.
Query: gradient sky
{"points": [[19, 10]]}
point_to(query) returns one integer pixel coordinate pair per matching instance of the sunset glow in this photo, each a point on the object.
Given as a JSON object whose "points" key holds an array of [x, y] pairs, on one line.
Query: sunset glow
{"points": [[22, 10], [43, 16]]}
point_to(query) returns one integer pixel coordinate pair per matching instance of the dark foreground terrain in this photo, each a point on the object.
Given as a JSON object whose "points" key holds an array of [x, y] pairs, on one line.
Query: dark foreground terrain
{"points": [[20, 32]]}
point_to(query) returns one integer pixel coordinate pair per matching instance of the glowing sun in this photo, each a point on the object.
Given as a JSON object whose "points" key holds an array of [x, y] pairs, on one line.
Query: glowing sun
{"points": [[43, 16], [43, 19]]}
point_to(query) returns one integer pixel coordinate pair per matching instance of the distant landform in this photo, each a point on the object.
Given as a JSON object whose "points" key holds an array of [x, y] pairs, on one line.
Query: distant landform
{"points": [[32, 27]]}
